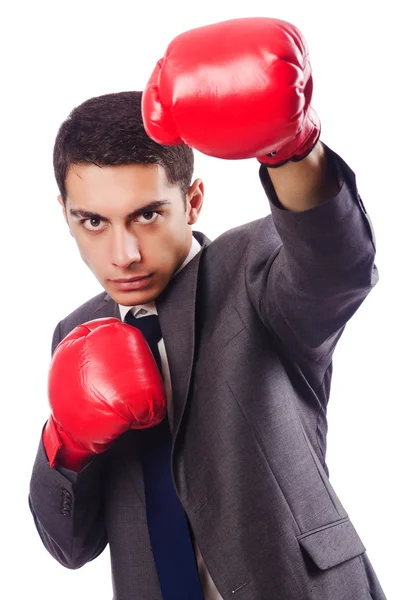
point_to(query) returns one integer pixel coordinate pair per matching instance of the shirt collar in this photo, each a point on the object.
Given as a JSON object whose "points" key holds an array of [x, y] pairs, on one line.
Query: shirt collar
{"points": [[142, 310]]}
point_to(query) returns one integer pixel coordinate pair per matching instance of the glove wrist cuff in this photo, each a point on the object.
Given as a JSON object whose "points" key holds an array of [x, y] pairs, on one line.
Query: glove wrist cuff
{"points": [[61, 450], [298, 148]]}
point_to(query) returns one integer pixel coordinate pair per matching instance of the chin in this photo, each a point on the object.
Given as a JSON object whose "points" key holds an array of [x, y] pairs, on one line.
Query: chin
{"points": [[132, 298]]}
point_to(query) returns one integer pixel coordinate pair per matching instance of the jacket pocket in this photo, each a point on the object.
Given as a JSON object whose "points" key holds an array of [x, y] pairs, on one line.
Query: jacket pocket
{"points": [[332, 545]]}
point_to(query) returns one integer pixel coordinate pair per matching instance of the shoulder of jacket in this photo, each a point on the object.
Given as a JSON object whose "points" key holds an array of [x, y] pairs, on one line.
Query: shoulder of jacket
{"points": [[83, 312], [243, 233]]}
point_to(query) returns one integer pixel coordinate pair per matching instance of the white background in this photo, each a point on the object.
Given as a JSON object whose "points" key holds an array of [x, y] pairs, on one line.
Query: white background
{"points": [[56, 55]]}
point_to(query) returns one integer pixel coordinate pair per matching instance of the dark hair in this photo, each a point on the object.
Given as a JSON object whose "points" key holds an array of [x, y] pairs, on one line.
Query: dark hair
{"points": [[108, 130]]}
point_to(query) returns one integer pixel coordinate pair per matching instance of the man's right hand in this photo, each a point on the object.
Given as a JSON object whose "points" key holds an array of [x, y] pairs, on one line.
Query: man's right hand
{"points": [[103, 381]]}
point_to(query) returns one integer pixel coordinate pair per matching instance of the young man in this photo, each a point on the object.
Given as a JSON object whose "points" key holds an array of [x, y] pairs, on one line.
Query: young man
{"points": [[249, 324]]}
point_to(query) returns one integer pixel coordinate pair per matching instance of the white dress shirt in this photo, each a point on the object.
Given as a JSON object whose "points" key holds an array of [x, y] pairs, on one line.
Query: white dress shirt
{"points": [[143, 310]]}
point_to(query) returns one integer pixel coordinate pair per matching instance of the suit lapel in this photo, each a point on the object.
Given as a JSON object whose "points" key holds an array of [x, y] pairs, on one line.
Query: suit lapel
{"points": [[176, 308], [107, 308]]}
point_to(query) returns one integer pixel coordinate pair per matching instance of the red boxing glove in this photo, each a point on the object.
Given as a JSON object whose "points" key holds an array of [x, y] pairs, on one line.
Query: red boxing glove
{"points": [[235, 89], [103, 381]]}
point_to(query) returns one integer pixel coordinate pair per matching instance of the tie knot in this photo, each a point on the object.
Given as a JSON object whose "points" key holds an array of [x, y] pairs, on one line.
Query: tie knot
{"points": [[150, 327]]}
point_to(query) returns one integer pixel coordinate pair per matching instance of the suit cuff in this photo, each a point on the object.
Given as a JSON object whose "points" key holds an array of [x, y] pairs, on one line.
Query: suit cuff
{"points": [[323, 219], [271, 192]]}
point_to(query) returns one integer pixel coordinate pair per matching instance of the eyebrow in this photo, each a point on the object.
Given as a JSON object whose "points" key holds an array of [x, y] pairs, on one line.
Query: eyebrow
{"points": [[151, 207]]}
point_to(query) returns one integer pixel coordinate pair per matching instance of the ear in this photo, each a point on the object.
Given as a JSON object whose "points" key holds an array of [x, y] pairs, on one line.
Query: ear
{"points": [[65, 214], [194, 201]]}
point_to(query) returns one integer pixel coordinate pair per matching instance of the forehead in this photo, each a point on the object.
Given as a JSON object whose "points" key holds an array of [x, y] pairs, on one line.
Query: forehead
{"points": [[97, 188]]}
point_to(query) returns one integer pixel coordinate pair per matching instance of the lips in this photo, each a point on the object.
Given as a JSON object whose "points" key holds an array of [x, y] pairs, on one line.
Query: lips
{"points": [[130, 279], [132, 283]]}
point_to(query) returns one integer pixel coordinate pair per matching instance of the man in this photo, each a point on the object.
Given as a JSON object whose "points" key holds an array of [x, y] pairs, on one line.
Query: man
{"points": [[249, 324]]}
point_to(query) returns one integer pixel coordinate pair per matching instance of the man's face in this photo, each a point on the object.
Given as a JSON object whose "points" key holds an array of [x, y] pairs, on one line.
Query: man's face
{"points": [[131, 226]]}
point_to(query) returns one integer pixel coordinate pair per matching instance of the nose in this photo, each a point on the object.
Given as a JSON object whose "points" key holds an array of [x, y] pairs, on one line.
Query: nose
{"points": [[124, 248]]}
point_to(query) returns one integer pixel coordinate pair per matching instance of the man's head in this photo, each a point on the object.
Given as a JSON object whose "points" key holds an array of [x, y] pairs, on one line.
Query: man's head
{"points": [[129, 202]]}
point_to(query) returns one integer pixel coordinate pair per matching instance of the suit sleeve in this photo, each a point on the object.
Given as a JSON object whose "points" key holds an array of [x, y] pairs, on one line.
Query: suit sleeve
{"points": [[67, 507], [319, 271]]}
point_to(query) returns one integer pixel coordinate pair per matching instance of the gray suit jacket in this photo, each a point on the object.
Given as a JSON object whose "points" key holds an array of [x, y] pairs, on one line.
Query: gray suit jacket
{"points": [[250, 326]]}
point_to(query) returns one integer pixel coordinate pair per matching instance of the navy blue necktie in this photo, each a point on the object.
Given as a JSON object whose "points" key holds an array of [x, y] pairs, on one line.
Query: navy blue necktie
{"points": [[167, 523]]}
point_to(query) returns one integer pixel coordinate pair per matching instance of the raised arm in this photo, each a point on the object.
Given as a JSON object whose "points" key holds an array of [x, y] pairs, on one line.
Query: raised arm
{"points": [[323, 266]]}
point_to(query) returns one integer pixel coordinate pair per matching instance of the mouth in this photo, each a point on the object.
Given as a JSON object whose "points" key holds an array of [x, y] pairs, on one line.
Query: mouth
{"points": [[132, 283]]}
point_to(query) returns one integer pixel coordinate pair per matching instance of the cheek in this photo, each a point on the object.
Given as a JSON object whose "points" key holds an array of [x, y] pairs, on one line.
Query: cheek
{"points": [[92, 254], [167, 247]]}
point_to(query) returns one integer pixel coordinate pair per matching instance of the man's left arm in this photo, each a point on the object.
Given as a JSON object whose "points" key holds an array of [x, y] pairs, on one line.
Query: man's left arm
{"points": [[323, 268]]}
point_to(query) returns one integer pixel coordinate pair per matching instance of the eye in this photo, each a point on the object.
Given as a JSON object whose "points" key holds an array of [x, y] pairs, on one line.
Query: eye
{"points": [[148, 216], [92, 224]]}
